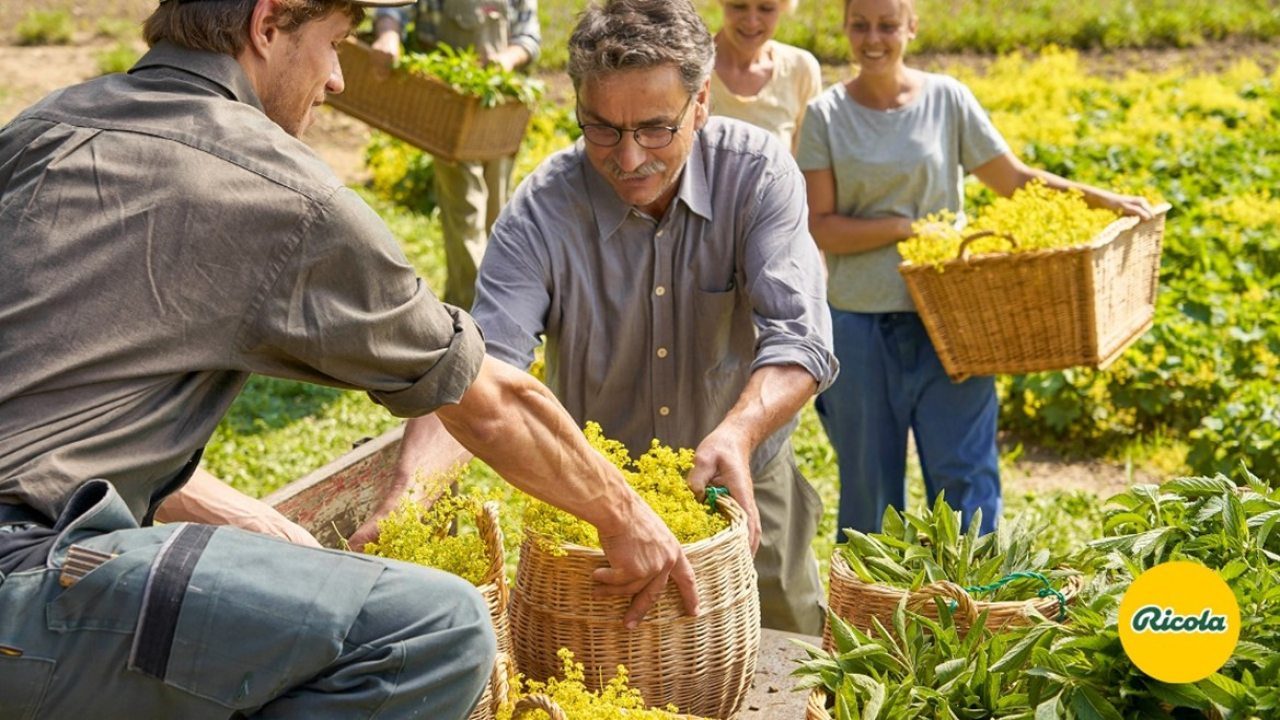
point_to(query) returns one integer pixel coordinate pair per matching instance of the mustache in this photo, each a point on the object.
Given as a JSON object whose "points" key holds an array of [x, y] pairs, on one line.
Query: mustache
{"points": [[653, 167]]}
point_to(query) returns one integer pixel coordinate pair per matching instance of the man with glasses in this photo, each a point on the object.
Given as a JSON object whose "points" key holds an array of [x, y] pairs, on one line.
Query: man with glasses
{"points": [[667, 260]]}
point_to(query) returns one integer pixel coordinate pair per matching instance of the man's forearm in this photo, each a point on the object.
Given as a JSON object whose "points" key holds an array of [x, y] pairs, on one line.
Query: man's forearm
{"points": [[516, 425], [773, 395], [206, 499]]}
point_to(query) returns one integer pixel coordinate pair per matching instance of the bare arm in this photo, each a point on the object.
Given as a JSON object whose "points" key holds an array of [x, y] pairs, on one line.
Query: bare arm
{"points": [[516, 425], [842, 235], [1007, 173], [206, 499], [773, 395]]}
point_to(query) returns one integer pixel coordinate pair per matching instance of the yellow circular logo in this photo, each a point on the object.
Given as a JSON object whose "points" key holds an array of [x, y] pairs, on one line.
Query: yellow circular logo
{"points": [[1179, 622]]}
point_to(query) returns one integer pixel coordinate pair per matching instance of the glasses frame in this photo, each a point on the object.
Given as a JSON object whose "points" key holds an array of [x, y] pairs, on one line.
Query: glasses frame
{"points": [[635, 132]]}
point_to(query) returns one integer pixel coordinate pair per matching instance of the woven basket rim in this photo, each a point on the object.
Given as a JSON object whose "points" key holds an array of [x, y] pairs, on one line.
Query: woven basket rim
{"points": [[725, 504], [1074, 583], [1104, 236]]}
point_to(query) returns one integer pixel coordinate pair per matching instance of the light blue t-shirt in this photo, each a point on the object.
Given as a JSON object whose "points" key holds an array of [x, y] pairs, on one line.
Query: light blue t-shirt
{"points": [[908, 162]]}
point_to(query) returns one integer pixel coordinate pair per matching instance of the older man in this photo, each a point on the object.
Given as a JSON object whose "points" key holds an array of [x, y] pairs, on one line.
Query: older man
{"points": [[667, 260], [165, 235]]}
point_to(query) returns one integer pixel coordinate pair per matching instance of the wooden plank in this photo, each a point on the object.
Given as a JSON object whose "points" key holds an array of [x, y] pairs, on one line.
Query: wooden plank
{"points": [[332, 501]]}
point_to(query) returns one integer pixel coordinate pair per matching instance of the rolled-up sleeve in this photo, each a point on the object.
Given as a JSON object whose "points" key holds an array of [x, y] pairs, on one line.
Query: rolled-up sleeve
{"points": [[346, 309], [525, 30], [785, 281]]}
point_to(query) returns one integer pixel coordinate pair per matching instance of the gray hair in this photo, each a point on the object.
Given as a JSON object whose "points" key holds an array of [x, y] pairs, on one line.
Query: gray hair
{"points": [[638, 35]]}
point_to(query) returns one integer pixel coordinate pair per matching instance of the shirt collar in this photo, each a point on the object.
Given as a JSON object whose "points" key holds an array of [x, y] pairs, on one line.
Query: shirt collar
{"points": [[220, 69], [610, 212]]}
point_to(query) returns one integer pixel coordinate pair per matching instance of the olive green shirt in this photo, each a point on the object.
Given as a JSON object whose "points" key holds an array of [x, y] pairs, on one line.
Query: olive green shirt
{"points": [[163, 239]]}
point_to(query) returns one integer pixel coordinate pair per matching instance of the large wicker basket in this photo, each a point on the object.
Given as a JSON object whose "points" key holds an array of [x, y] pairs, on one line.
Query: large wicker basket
{"points": [[1042, 310], [495, 593], [857, 602], [425, 112], [702, 665]]}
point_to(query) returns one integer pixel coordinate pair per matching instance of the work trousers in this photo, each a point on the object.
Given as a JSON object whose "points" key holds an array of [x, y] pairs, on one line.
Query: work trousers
{"points": [[891, 382], [791, 595], [469, 195], [191, 621]]}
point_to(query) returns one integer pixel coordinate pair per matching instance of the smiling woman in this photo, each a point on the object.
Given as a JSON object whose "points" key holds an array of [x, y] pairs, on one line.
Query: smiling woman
{"points": [[760, 80]]}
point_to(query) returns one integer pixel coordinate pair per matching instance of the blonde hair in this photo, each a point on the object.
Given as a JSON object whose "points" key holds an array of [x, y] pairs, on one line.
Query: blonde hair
{"points": [[223, 26]]}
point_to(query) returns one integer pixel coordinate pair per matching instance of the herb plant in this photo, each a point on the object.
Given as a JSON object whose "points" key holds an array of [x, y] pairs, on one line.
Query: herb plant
{"points": [[463, 71]]}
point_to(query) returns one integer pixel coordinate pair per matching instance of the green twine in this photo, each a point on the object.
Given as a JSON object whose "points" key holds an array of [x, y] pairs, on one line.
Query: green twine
{"points": [[1045, 591], [713, 492]]}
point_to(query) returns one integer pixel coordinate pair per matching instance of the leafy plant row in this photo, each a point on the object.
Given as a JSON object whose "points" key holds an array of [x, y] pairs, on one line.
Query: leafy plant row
{"points": [[911, 666]]}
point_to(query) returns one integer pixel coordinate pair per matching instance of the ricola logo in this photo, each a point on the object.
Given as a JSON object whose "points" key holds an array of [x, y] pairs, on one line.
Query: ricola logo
{"points": [[1179, 622], [1153, 618]]}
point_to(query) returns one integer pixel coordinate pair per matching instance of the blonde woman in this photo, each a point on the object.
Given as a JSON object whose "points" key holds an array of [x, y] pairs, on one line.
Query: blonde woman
{"points": [[760, 80], [887, 147]]}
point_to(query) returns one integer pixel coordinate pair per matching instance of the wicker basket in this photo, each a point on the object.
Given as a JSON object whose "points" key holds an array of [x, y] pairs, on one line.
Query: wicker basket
{"points": [[425, 112], [702, 665], [494, 591], [530, 703], [815, 708], [1042, 310], [857, 602]]}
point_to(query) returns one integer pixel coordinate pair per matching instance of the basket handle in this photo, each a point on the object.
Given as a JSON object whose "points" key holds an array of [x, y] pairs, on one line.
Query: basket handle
{"points": [[491, 536], [500, 680], [960, 600], [962, 253], [538, 701]]}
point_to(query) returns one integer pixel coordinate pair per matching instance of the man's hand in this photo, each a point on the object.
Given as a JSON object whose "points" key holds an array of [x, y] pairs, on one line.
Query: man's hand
{"points": [[516, 425], [386, 47], [206, 499], [723, 458], [642, 557]]}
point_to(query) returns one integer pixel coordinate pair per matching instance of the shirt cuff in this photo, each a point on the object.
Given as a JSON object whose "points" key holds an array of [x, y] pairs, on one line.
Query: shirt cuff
{"points": [[817, 361], [448, 379]]}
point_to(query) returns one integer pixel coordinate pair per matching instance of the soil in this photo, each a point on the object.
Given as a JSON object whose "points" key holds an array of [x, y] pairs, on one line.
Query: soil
{"points": [[29, 73]]}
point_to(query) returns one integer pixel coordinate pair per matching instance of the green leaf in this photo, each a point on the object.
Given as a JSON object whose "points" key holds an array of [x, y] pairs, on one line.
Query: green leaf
{"points": [[842, 636], [1198, 487], [1234, 522], [874, 692], [1178, 694], [1016, 656], [1050, 709], [1089, 704], [1222, 690]]}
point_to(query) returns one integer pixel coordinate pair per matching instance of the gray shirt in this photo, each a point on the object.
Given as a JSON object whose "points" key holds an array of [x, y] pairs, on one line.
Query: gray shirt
{"points": [[907, 162], [162, 239], [654, 325]]}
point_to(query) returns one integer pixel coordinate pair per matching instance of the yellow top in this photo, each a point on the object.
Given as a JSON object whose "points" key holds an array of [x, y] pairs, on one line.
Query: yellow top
{"points": [[780, 104]]}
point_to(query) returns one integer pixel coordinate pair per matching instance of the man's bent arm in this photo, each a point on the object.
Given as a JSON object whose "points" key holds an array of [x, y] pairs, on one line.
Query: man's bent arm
{"points": [[773, 395], [206, 499], [514, 423]]}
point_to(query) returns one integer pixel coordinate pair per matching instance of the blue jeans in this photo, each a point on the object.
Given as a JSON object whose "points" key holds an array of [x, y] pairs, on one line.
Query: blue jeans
{"points": [[255, 628], [892, 381]]}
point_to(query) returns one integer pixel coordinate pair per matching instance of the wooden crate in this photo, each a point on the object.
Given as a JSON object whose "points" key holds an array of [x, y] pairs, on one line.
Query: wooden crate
{"points": [[425, 112]]}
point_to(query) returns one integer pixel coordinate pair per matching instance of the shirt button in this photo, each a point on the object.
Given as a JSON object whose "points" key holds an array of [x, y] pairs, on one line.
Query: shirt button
{"points": [[664, 411], [660, 291], [659, 233], [662, 352]]}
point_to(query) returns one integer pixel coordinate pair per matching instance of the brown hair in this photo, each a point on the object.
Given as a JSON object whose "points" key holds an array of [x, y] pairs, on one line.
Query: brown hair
{"points": [[638, 35], [222, 26]]}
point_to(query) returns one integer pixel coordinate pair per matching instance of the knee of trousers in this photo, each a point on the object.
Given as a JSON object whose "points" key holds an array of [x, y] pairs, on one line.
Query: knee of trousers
{"points": [[442, 610]]}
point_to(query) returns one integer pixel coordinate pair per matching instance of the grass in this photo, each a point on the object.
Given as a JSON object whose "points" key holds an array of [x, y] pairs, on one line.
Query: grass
{"points": [[118, 58], [37, 27], [994, 26]]}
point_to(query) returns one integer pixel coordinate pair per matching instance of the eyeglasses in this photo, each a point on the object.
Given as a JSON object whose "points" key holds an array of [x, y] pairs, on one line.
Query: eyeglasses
{"points": [[652, 137]]}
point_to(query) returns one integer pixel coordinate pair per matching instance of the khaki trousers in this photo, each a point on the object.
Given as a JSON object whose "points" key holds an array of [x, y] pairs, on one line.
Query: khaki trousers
{"points": [[470, 195], [791, 595]]}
